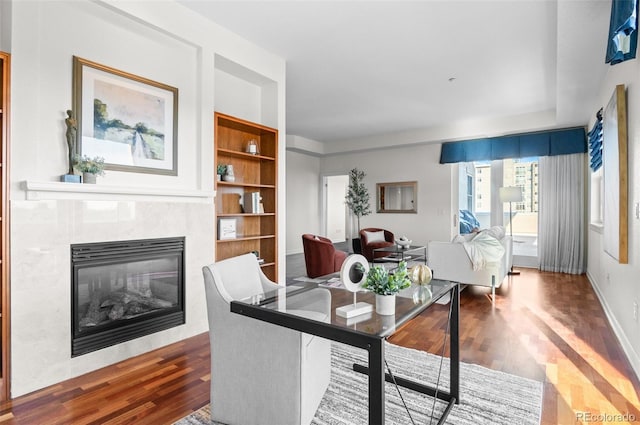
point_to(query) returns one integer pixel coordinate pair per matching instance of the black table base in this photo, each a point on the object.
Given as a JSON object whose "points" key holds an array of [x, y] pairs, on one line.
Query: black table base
{"points": [[417, 387]]}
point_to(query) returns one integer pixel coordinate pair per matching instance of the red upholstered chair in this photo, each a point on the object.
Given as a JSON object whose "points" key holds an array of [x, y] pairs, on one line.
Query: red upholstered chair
{"points": [[320, 256], [372, 238]]}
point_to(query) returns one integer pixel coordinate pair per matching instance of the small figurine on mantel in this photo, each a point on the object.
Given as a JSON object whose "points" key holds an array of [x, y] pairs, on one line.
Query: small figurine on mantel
{"points": [[71, 134]]}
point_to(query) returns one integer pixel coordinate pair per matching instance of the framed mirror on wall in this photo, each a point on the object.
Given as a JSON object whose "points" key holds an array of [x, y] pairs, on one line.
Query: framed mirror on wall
{"points": [[615, 176], [397, 197]]}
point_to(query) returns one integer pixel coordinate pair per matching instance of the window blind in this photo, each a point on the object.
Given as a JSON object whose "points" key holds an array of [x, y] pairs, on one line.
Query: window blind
{"points": [[595, 143], [623, 34], [548, 143]]}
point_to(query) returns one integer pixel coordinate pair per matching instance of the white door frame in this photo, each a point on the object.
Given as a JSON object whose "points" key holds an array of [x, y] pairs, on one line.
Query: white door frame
{"points": [[324, 225]]}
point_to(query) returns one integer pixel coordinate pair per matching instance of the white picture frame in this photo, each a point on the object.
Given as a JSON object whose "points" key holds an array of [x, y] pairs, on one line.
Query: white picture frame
{"points": [[227, 229]]}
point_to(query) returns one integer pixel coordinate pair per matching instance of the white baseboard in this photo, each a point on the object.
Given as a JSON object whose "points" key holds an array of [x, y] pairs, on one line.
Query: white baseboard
{"points": [[525, 261], [632, 356]]}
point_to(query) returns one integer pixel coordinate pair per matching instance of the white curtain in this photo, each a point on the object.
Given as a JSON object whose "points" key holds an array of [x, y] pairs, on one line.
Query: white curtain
{"points": [[561, 213]]}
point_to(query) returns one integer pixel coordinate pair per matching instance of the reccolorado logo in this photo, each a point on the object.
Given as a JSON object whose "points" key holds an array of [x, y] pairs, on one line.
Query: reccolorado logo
{"points": [[605, 417]]}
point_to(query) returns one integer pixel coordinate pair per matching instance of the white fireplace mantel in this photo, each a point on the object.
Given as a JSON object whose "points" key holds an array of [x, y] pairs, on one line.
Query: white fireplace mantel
{"points": [[37, 191]]}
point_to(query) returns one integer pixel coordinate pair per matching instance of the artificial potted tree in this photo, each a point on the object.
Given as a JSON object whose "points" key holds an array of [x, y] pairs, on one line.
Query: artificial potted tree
{"points": [[357, 200], [89, 167], [386, 285]]}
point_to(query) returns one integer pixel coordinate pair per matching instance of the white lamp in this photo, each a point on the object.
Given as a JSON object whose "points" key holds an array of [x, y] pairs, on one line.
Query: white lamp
{"points": [[510, 194]]}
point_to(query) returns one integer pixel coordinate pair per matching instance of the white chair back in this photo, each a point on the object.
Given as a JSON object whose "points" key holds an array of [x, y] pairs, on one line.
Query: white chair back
{"points": [[237, 277]]}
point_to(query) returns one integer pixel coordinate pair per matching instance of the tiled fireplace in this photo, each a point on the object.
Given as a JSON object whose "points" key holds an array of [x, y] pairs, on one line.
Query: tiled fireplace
{"points": [[123, 290], [43, 232]]}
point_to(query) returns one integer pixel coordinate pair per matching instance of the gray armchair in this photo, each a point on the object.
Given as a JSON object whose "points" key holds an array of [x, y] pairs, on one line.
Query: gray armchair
{"points": [[261, 373]]}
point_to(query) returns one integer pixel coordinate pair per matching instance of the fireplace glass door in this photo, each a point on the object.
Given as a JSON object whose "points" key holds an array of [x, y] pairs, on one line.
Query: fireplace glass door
{"points": [[124, 290]]}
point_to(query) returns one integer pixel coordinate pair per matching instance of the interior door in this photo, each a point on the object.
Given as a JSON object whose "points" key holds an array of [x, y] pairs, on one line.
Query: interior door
{"points": [[335, 217]]}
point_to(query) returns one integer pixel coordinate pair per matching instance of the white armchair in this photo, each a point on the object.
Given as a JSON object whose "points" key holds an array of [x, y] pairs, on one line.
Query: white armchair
{"points": [[260, 373]]}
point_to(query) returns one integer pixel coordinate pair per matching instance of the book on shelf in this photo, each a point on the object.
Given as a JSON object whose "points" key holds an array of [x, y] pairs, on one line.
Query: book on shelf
{"points": [[252, 202]]}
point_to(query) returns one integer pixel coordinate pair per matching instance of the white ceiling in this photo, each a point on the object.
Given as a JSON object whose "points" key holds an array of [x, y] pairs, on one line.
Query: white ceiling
{"points": [[362, 68]]}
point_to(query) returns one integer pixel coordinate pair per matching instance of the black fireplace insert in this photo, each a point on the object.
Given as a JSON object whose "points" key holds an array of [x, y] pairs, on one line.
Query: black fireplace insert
{"points": [[124, 290]]}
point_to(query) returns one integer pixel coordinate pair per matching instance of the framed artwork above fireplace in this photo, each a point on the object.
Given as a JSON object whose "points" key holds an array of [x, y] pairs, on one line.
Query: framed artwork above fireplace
{"points": [[130, 121]]}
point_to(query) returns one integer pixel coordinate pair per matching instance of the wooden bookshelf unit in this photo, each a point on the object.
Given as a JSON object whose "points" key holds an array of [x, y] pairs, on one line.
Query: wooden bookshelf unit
{"points": [[255, 229]]}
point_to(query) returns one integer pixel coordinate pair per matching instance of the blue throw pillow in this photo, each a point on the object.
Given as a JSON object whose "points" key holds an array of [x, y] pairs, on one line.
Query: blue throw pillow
{"points": [[468, 222]]}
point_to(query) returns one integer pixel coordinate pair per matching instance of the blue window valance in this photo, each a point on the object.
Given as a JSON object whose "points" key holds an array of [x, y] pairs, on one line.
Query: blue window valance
{"points": [[623, 31], [548, 143], [595, 143]]}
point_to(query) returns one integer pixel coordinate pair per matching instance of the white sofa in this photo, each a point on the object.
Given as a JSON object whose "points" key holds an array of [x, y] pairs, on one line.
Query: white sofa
{"points": [[450, 261]]}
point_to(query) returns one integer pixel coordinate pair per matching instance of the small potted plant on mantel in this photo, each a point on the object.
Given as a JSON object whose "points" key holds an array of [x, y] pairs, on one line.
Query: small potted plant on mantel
{"points": [[89, 167], [386, 285]]}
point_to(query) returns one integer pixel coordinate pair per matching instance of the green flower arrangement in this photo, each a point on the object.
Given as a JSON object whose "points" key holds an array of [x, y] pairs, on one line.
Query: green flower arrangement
{"points": [[381, 282], [221, 169], [85, 164]]}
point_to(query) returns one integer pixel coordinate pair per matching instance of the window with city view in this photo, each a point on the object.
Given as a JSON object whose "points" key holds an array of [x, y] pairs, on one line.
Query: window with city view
{"points": [[479, 191], [523, 173]]}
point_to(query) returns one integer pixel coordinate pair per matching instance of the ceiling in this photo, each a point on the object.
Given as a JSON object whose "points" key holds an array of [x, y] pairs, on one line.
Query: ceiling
{"points": [[357, 69]]}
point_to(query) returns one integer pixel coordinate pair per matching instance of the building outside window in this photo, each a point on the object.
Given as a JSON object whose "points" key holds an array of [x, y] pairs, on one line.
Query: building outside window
{"points": [[522, 172]]}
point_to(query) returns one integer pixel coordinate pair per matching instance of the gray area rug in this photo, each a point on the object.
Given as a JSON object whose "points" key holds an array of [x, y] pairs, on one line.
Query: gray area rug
{"points": [[487, 396]]}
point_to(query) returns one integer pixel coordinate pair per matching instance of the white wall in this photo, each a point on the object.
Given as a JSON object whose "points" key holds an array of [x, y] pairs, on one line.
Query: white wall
{"points": [[437, 204], [42, 84], [162, 41], [303, 198], [5, 26], [617, 285]]}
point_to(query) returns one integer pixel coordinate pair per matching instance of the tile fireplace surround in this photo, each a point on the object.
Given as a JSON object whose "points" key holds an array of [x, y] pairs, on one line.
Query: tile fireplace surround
{"points": [[41, 234]]}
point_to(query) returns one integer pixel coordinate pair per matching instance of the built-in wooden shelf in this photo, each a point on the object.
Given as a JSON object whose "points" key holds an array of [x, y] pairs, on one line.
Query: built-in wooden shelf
{"points": [[253, 173], [5, 302], [246, 238], [241, 214], [245, 184], [245, 155]]}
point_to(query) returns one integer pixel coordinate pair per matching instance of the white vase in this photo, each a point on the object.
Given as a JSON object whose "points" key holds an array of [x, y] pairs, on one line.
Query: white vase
{"points": [[229, 176], [386, 304], [88, 178]]}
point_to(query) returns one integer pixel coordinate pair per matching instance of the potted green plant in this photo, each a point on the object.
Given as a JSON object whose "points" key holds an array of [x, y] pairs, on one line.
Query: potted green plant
{"points": [[386, 285], [221, 170], [89, 167], [357, 200]]}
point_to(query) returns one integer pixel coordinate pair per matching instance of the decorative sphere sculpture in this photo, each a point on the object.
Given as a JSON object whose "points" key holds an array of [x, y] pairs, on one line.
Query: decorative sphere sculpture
{"points": [[420, 274]]}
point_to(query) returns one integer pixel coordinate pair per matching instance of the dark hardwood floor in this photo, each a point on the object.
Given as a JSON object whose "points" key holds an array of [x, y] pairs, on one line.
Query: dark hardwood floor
{"points": [[544, 326]]}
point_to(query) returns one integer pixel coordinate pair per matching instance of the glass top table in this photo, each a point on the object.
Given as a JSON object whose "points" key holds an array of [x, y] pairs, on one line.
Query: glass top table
{"points": [[300, 307], [395, 253]]}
